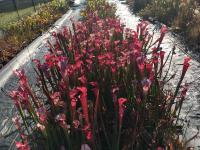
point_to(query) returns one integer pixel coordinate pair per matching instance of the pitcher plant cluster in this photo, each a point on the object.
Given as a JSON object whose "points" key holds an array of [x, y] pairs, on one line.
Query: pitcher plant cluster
{"points": [[102, 86]]}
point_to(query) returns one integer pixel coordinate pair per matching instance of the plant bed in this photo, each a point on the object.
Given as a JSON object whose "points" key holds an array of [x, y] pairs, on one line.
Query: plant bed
{"points": [[101, 7], [18, 35], [181, 16], [101, 86]]}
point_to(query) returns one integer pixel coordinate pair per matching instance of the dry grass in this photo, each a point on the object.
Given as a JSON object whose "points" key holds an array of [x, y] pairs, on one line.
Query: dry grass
{"points": [[182, 15]]}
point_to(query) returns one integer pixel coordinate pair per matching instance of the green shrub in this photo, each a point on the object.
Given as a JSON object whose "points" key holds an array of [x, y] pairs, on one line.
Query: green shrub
{"points": [[137, 5], [162, 10], [101, 7]]}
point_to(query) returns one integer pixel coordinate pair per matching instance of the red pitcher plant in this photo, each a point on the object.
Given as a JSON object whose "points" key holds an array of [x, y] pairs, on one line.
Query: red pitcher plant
{"points": [[102, 86]]}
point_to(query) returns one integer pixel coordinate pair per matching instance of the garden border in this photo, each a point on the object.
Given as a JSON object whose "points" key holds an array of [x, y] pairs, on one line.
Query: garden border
{"points": [[20, 58]]}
